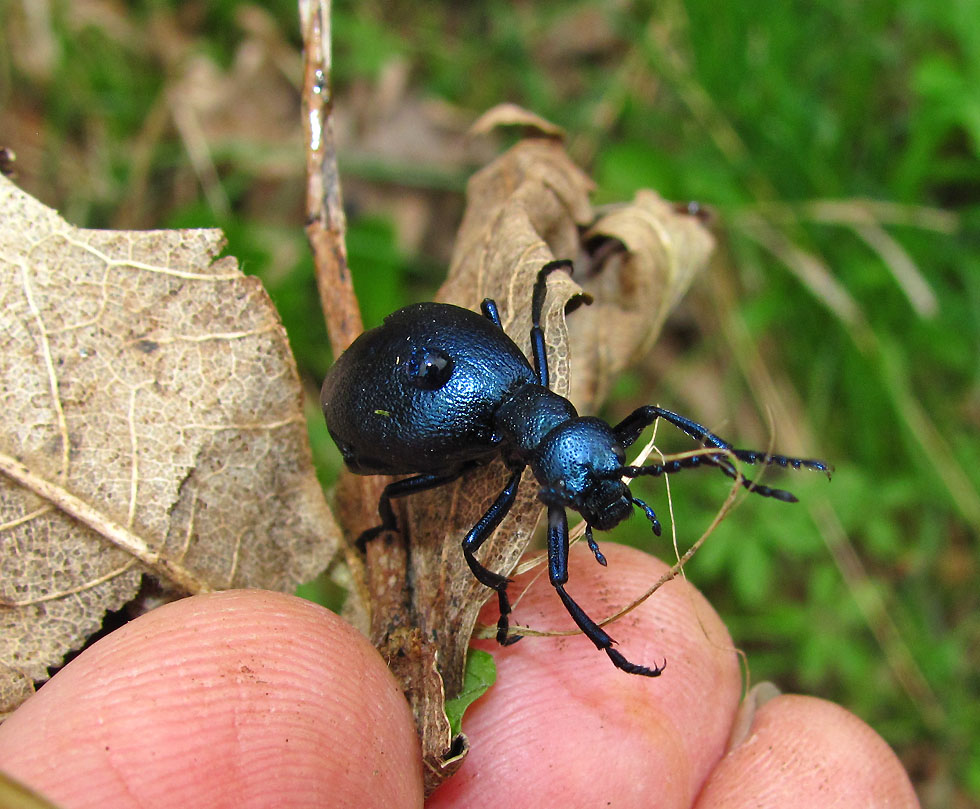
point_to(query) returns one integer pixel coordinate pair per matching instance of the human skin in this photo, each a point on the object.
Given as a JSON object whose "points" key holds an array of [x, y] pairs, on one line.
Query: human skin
{"points": [[257, 699]]}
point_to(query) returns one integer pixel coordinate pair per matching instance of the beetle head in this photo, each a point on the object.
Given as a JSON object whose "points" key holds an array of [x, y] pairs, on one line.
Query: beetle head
{"points": [[578, 466]]}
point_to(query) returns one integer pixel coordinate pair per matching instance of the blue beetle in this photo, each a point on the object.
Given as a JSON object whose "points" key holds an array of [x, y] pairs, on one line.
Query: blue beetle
{"points": [[438, 389]]}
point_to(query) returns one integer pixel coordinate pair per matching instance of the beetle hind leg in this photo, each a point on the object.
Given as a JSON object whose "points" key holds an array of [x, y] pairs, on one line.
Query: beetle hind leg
{"points": [[401, 488]]}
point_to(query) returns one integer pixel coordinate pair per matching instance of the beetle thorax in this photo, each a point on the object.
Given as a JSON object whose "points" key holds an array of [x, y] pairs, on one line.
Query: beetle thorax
{"points": [[526, 416]]}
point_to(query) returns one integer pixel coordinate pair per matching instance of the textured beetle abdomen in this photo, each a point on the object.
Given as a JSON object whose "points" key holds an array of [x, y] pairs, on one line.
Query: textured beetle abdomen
{"points": [[386, 422]]}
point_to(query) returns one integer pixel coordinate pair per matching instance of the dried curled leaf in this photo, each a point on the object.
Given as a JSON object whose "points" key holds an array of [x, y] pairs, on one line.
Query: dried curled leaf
{"points": [[642, 257], [526, 208], [508, 114], [152, 423]]}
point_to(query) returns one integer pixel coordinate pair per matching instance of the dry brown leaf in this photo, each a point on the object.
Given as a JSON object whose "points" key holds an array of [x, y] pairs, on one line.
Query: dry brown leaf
{"points": [[526, 208], [633, 289], [508, 114], [153, 423]]}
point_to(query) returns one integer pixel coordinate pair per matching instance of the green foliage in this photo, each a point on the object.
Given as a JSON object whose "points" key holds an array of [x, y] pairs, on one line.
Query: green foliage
{"points": [[480, 674]]}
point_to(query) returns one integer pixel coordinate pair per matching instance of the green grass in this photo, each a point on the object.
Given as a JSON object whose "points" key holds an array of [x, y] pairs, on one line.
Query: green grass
{"points": [[859, 326]]}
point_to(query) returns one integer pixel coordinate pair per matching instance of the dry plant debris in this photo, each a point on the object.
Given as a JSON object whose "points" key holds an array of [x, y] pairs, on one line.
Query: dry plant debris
{"points": [[153, 424], [418, 598]]}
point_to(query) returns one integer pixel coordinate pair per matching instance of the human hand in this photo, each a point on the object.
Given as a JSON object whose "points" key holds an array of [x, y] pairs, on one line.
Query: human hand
{"points": [[256, 699]]}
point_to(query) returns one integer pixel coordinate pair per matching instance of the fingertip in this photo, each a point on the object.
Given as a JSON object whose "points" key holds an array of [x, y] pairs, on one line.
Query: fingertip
{"points": [[806, 752], [564, 724], [246, 698]]}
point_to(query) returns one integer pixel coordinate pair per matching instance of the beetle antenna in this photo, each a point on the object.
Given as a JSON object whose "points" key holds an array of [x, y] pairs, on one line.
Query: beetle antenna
{"points": [[695, 461], [755, 457]]}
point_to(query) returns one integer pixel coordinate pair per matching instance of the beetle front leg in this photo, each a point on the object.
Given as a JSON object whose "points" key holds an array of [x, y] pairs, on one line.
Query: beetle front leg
{"points": [[558, 573], [479, 534], [629, 429]]}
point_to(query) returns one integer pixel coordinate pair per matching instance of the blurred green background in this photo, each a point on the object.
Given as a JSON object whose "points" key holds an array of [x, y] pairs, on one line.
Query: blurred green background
{"points": [[838, 144]]}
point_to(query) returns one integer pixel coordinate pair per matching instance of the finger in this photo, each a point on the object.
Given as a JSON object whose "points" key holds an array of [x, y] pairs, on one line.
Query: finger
{"points": [[805, 752], [241, 698], [562, 724]]}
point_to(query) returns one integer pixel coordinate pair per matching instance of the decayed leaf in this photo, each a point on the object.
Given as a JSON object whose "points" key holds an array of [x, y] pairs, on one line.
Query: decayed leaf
{"points": [[15, 687], [523, 210], [642, 257], [512, 115], [152, 423]]}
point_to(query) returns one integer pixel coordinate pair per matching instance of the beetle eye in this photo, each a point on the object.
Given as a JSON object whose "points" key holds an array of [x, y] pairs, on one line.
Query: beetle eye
{"points": [[429, 368]]}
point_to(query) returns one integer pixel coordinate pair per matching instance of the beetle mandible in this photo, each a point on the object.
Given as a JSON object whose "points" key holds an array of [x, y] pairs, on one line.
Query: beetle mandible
{"points": [[438, 389]]}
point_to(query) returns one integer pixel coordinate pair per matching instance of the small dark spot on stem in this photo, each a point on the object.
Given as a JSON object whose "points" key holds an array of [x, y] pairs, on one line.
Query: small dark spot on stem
{"points": [[7, 158]]}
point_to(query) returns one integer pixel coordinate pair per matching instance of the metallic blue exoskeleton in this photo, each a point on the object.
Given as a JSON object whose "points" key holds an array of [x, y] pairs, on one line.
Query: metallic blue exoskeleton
{"points": [[437, 389]]}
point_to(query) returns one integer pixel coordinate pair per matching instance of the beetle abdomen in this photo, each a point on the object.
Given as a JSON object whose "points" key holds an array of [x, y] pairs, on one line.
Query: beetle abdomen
{"points": [[418, 393]]}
